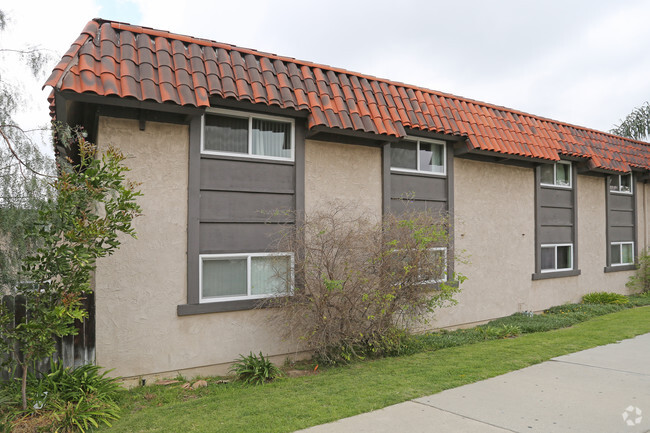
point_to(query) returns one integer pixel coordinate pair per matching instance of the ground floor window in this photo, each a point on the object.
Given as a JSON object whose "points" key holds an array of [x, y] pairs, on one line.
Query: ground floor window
{"points": [[557, 257], [227, 277], [622, 253], [438, 262]]}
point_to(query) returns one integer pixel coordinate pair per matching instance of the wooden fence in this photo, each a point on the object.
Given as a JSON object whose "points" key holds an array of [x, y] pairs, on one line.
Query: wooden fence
{"points": [[72, 350]]}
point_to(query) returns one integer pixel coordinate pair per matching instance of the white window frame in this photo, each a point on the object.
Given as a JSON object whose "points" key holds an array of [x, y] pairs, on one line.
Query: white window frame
{"points": [[250, 117], [555, 184], [555, 246], [248, 256], [418, 140], [620, 246], [443, 280], [618, 191]]}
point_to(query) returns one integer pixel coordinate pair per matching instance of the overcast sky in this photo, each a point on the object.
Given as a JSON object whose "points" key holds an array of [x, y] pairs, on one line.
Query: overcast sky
{"points": [[581, 62]]}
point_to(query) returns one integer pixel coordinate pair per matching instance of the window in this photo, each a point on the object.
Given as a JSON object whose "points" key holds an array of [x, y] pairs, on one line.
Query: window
{"points": [[438, 260], [418, 155], [558, 174], [558, 257], [227, 277], [431, 264], [622, 253], [621, 183], [231, 133]]}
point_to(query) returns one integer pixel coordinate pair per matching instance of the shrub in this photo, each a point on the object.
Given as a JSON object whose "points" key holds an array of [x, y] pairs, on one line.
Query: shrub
{"points": [[67, 399], [605, 298], [359, 286], [83, 415], [640, 281], [640, 300], [254, 369]]}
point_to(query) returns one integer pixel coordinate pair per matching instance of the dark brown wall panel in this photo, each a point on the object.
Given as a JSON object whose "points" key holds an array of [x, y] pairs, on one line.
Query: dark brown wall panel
{"points": [[621, 202], [399, 206], [219, 238], [418, 187], [556, 216], [556, 235], [555, 197], [622, 218], [220, 206], [621, 234], [235, 175]]}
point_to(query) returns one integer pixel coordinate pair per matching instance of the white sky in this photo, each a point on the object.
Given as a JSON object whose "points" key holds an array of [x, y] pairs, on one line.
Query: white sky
{"points": [[581, 62]]}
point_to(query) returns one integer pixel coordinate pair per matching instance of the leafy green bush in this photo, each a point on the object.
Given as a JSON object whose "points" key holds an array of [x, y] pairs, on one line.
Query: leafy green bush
{"points": [[640, 300], [605, 298], [255, 370], [641, 279], [84, 414], [70, 400]]}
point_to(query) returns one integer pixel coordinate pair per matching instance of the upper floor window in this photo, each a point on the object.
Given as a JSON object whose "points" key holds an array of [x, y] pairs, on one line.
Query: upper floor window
{"points": [[558, 174], [418, 155], [232, 133], [621, 183]]}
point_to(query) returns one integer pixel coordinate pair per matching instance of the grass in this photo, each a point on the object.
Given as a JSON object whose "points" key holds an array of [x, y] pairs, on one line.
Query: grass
{"points": [[290, 404]]}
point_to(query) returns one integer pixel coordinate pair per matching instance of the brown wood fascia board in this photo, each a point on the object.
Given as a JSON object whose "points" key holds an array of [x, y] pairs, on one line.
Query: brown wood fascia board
{"points": [[129, 103], [252, 107], [369, 137]]}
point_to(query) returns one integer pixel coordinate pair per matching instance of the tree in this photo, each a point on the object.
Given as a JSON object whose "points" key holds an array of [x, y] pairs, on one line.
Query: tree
{"points": [[636, 125], [54, 225], [94, 204], [358, 286], [25, 172]]}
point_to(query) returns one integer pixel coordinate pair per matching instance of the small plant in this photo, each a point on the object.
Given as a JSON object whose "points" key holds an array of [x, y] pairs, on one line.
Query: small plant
{"points": [[489, 332], [254, 369], [66, 400], [83, 415], [605, 298], [640, 281]]}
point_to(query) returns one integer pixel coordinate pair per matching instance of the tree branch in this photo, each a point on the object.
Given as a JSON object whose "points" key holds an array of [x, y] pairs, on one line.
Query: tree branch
{"points": [[13, 152]]}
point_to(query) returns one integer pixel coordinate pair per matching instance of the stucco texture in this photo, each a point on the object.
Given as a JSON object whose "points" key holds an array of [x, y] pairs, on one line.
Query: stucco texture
{"points": [[495, 234], [343, 174], [138, 288]]}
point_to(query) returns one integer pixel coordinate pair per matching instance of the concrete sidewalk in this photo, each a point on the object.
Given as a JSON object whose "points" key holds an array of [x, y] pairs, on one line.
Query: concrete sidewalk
{"points": [[605, 389]]}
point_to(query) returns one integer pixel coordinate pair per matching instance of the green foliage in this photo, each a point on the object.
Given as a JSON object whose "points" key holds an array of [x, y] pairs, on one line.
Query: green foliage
{"points": [[71, 384], [640, 281], [636, 124], [640, 300], [362, 285], [25, 172], [67, 399], [334, 393], [605, 298], [255, 370], [94, 205], [83, 415]]}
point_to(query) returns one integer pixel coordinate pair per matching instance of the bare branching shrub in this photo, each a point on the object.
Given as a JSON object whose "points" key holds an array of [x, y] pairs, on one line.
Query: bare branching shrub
{"points": [[359, 286]]}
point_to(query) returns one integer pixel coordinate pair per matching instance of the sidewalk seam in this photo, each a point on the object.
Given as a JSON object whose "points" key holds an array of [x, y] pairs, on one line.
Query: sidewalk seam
{"points": [[596, 366], [464, 416]]}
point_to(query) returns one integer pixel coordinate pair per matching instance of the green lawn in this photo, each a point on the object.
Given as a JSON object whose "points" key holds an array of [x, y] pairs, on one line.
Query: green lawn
{"points": [[292, 404]]}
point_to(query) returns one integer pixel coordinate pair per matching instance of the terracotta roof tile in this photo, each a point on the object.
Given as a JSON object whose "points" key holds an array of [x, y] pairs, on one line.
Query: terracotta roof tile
{"points": [[111, 58]]}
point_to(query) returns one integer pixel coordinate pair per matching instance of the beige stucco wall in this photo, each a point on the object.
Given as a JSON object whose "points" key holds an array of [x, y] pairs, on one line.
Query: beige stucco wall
{"points": [[495, 231], [345, 174], [138, 288]]}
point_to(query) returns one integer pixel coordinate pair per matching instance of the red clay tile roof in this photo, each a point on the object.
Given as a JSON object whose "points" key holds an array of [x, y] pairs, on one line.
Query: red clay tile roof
{"points": [[118, 59]]}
